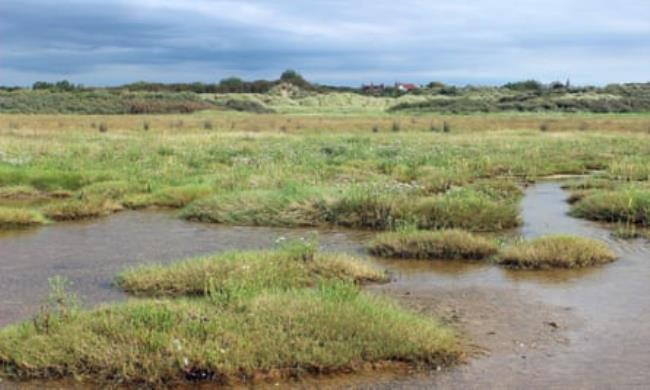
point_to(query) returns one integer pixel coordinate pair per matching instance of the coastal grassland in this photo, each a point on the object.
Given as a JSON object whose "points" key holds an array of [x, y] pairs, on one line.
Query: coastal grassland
{"points": [[332, 121], [556, 252], [293, 170], [441, 244]]}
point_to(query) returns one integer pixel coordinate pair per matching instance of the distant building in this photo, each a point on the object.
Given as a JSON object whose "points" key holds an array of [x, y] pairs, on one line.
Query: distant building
{"points": [[405, 87], [373, 89]]}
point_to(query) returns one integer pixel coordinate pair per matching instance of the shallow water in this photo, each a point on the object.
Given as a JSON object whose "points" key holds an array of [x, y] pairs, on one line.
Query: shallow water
{"points": [[601, 314], [91, 253]]}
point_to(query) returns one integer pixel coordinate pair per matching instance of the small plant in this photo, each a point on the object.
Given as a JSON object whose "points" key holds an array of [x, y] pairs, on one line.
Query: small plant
{"points": [[396, 127], [145, 126], [103, 127], [59, 307], [446, 127], [375, 128], [543, 127], [303, 248], [207, 125]]}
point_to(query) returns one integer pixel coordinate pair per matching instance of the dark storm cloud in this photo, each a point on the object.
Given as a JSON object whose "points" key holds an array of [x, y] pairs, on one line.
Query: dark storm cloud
{"points": [[487, 41]]}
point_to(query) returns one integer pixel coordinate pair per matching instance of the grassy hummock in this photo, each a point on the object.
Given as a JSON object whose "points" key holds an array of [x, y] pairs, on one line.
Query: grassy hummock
{"points": [[556, 252], [237, 318], [295, 265], [443, 244], [11, 217], [626, 206], [274, 334]]}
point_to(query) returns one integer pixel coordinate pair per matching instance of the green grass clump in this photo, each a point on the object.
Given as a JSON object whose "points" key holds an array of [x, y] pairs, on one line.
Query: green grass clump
{"points": [[464, 209], [170, 197], [11, 217], [443, 244], [286, 268], [77, 209], [41, 179], [274, 334], [556, 252], [19, 192], [631, 206], [630, 168]]}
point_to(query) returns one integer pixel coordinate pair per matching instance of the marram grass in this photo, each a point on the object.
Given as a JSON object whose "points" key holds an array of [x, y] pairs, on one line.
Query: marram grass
{"points": [[442, 244], [556, 252]]}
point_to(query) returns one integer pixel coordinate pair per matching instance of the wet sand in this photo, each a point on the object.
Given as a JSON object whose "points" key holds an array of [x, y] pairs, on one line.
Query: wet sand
{"points": [[525, 329]]}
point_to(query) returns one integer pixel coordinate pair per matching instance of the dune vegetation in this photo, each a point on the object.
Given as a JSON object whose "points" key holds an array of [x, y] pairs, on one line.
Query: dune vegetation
{"points": [[556, 252], [435, 245]]}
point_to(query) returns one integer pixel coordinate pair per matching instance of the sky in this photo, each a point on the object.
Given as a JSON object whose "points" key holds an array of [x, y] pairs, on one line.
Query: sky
{"points": [[480, 42]]}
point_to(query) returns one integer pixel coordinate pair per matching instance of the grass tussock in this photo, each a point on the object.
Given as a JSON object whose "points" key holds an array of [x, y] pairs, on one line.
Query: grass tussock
{"points": [[630, 206], [77, 209], [463, 210], [444, 244], [295, 265], [274, 334], [11, 217], [556, 252]]}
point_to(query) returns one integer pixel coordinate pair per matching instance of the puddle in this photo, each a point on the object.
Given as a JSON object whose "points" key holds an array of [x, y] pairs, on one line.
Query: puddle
{"points": [[534, 329], [91, 253]]}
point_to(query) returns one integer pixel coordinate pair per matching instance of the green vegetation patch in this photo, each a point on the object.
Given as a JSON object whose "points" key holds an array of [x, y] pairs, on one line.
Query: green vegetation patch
{"points": [[443, 244], [556, 252], [11, 217], [334, 328], [295, 265], [625, 205], [77, 209]]}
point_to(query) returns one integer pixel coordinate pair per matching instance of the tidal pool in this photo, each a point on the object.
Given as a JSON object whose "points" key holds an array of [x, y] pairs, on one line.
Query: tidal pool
{"points": [[526, 329]]}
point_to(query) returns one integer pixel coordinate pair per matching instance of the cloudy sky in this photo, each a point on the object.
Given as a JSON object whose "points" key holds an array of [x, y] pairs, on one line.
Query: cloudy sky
{"points": [[108, 42]]}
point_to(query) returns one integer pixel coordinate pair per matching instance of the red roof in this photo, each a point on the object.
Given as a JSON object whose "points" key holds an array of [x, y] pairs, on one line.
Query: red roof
{"points": [[408, 86]]}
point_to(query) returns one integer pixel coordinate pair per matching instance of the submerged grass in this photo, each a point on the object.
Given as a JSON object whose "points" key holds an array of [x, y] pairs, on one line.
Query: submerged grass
{"points": [[444, 244], [556, 252], [274, 334]]}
